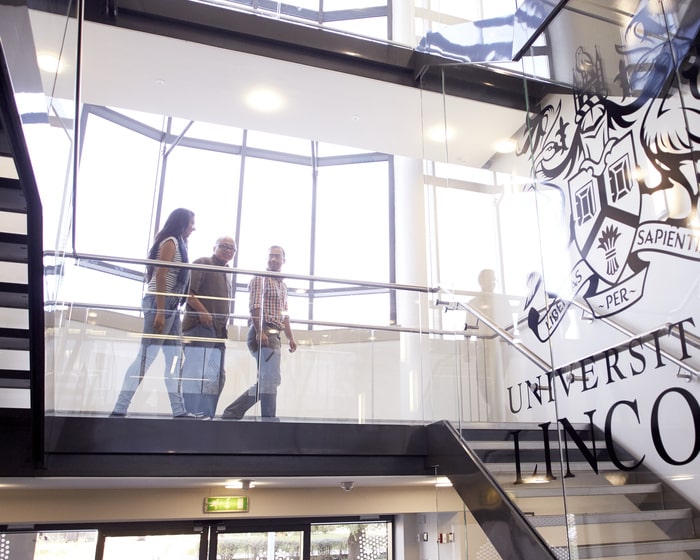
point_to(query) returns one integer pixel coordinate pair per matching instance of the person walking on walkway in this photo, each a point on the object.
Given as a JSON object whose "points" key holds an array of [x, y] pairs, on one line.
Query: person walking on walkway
{"points": [[167, 290], [268, 318], [206, 318]]}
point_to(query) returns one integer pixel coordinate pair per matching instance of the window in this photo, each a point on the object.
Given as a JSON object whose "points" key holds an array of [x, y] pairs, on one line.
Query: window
{"points": [[330, 212]]}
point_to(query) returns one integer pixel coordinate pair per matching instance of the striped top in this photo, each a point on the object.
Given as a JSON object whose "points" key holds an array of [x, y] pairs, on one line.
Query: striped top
{"points": [[171, 277]]}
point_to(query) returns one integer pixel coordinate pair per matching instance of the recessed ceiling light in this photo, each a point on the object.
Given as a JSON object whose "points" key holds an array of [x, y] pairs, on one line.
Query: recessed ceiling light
{"points": [[239, 484], [440, 133], [505, 146], [49, 63], [265, 100]]}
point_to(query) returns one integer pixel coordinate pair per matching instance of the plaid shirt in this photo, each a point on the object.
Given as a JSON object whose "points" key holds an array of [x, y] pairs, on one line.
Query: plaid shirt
{"points": [[273, 301]]}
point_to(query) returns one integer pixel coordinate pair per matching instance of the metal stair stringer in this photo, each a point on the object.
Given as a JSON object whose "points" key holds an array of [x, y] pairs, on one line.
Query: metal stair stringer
{"points": [[22, 343], [503, 523]]}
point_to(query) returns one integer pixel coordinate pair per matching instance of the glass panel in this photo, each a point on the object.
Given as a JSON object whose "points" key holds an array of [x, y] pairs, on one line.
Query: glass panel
{"points": [[351, 541], [332, 376], [50, 545], [491, 227], [280, 545], [277, 199], [126, 190], [375, 28], [576, 258], [452, 534], [205, 182], [347, 195], [334, 5], [370, 309], [78, 545], [176, 547]]}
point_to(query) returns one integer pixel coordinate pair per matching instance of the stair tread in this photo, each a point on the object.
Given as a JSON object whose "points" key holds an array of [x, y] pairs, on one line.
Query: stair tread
{"points": [[15, 383], [14, 373], [14, 287], [13, 247], [508, 445], [6, 237], [9, 183], [11, 196], [14, 339], [646, 547], [14, 295], [601, 518], [540, 490], [529, 466]]}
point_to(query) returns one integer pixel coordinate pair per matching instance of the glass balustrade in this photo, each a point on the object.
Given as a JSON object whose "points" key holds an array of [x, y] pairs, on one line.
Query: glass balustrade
{"points": [[342, 371], [590, 449]]}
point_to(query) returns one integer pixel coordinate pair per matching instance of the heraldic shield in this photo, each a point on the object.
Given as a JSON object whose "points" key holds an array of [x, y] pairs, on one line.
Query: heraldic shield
{"points": [[605, 208]]}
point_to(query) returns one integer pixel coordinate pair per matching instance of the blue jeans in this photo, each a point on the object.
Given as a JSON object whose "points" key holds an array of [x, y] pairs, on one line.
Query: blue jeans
{"points": [[171, 345], [268, 359], [203, 373]]}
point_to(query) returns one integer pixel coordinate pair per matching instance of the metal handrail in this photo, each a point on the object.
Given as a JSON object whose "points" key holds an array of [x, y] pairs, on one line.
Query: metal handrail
{"points": [[501, 332], [231, 270], [544, 366], [293, 321], [631, 336]]}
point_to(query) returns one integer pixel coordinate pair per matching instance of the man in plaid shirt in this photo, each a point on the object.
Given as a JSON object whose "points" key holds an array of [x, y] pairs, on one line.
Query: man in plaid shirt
{"points": [[268, 318]]}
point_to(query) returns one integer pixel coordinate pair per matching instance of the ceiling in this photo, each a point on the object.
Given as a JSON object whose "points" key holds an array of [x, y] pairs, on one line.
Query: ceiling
{"points": [[128, 69]]}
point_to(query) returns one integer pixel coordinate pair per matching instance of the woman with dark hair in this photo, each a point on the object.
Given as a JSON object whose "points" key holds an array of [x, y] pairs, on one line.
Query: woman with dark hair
{"points": [[167, 290]]}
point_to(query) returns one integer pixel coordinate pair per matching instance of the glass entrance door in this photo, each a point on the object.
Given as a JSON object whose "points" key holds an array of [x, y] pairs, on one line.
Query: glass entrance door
{"points": [[153, 547], [270, 545]]}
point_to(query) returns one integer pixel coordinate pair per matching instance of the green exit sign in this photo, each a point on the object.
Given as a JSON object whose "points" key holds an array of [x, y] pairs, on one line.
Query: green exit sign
{"points": [[226, 504]]}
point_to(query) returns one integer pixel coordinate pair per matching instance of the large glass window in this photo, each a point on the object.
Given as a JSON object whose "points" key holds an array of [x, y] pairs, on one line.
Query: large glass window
{"points": [[352, 206], [332, 213], [276, 211], [367, 18], [114, 200], [206, 182]]}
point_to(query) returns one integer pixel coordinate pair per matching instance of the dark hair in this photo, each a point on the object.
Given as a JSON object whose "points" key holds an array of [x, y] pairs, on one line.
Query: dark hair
{"points": [[176, 224]]}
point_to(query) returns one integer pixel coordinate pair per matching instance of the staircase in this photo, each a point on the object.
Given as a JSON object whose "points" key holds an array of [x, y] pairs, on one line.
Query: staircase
{"points": [[21, 274], [612, 514]]}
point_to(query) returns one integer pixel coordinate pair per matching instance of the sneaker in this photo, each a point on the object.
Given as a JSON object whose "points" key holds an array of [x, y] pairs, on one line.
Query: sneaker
{"points": [[115, 414], [195, 416]]}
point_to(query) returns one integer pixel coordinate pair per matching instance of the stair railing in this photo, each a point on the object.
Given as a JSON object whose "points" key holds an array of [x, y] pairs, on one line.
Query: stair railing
{"points": [[644, 337], [35, 268]]}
